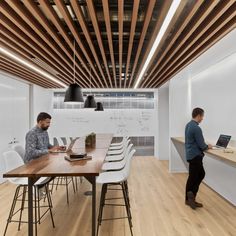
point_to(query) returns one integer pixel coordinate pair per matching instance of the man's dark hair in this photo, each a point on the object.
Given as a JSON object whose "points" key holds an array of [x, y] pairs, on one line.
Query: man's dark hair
{"points": [[43, 116], [197, 111]]}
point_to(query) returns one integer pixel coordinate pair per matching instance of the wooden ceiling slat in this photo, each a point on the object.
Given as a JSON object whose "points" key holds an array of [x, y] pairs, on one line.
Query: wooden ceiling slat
{"points": [[203, 13], [85, 30], [196, 36], [94, 20], [44, 33], [216, 37], [161, 18], [105, 5], [33, 8], [24, 77], [120, 25], [24, 74], [183, 25], [9, 62], [147, 19], [51, 14], [64, 12], [21, 68], [24, 58], [131, 37], [31, 44], [31, 33], [16, 47], [9, 43]]}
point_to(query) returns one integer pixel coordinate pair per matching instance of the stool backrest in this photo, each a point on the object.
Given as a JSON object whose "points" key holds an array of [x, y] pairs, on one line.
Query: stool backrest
{"points": [[19, 149], [126, 170], [12, 160], [126, 144], [127, 151], [58, 141], [68, 141]]}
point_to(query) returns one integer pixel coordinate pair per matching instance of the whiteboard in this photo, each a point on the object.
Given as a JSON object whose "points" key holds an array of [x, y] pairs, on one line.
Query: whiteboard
{"points": [[135, 122]]}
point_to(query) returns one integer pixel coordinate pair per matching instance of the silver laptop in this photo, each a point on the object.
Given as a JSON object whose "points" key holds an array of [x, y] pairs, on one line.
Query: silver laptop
{"points": [[222, 142], [69, 148]]}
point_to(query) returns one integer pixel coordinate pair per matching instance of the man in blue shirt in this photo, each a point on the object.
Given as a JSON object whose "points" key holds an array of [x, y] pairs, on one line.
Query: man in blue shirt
{"points": [[37, 140], [194, 147]]}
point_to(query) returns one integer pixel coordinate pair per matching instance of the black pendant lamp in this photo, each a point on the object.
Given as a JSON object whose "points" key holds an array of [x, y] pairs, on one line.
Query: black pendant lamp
{"points": [[74, 92], [99, 107], [90, 101]]}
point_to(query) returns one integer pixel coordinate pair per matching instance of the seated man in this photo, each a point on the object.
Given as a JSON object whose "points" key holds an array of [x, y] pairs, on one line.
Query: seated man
{"points": [[37, 140]]}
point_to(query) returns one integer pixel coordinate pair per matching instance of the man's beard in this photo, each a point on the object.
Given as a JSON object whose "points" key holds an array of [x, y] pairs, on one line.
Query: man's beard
{"points": [[44, 128]]}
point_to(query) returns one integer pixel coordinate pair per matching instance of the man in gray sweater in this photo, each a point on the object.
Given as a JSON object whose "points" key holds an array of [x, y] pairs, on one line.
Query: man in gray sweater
{"points": [[37, 140]]}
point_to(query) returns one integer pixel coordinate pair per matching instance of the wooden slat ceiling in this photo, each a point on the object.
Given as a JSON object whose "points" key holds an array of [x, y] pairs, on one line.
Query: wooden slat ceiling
{"points": [[112, 39]]}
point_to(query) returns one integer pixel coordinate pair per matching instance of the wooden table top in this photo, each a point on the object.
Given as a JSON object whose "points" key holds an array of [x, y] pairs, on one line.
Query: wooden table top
{"points": [[54, 164], [229, 158]]}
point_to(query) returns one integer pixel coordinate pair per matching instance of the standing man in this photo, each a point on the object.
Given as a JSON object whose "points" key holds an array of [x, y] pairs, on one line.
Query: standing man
{"points": [[194, 147], [37, 140]]}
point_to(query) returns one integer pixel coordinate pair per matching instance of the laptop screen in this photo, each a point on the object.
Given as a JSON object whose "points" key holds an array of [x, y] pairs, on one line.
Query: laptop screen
{"points": [[223, 141]]}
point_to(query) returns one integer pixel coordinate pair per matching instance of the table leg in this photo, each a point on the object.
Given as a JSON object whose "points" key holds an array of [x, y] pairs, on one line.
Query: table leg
{"points": [[93, 206], [30, 207], [92, 180]]}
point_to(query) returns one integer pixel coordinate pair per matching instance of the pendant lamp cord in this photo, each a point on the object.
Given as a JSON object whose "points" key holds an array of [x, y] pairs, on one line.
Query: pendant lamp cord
{"points": [[90, 79], [74, 61]]}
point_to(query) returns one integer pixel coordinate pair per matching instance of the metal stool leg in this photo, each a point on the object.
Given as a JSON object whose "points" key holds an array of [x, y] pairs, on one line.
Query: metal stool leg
{"points": [[81, 180], [49, 204], [73, 184], [127, 209], [35, 209], [67, 193], [102, 202], [22, 205], [12, 208], [127, 191], [126, 201]]}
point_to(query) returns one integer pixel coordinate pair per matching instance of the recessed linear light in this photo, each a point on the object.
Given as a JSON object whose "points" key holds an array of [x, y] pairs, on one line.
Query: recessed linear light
{"points": [[174, 6], [31, 66]]}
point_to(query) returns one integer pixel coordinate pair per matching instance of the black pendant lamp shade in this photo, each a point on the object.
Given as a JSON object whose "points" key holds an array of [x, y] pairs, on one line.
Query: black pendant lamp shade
{"points": [[74, 94], [99, 107], [90, 102]]}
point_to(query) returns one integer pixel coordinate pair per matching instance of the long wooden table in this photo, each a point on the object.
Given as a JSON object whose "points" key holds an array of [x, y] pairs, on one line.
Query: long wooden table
{"points": [[54, 165]]}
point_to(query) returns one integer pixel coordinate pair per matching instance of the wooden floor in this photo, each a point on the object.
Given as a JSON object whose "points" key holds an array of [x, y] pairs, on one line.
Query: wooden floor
{"points": [[158, 209]]}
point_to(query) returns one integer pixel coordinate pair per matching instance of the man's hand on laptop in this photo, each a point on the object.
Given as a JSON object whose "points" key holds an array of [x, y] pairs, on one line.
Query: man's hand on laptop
{"points": [[210, 146], [62, 148], [54, 149]]}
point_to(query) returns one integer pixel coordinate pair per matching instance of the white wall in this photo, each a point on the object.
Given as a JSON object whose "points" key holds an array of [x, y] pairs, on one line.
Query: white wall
{"points": [[208, 82], [214, 89], [41, 102], [179, 111], [163, 123], [14, 118]]}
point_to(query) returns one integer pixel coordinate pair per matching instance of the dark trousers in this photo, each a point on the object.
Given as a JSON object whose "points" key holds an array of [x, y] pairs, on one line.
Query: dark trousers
{"points": [[196, 175]]}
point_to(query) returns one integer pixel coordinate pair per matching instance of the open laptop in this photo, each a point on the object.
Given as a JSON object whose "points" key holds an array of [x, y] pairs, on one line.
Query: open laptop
{"points": [[68, 149], [222, 142]]}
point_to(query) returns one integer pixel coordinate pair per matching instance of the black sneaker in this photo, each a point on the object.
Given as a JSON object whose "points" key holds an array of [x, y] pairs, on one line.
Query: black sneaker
{"points": [[191, 200], [198, 204]]}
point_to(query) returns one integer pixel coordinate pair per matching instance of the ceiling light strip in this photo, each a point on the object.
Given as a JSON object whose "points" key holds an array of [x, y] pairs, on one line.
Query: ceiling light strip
{"points": [[31, 66], [174, 6]]}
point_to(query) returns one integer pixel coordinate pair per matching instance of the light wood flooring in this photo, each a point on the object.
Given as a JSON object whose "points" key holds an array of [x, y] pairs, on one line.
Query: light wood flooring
{"points": [[157, 201]]}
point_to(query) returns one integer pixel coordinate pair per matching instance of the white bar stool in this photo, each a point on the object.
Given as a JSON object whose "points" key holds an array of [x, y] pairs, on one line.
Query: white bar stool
{"points": [[115, 178], [117, 165], [13, 160]]}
